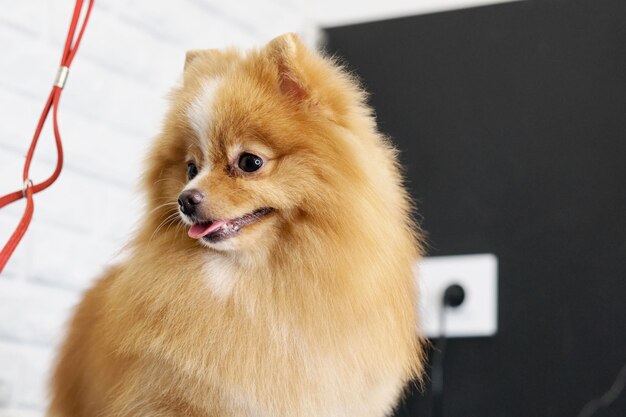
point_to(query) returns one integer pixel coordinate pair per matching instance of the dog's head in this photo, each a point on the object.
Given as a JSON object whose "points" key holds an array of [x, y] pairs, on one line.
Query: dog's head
{"points": [[256, 143]]}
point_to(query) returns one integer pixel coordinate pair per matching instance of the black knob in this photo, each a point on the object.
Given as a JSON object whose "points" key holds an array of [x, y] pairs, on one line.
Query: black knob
{"points": [[454, 295]]}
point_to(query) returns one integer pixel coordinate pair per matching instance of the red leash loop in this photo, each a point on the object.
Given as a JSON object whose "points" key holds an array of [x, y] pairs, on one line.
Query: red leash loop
{"points": [[29, 188]]}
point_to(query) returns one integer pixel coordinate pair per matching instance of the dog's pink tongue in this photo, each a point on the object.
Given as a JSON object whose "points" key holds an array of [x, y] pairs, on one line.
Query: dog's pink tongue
{"points": [[197, 230]]}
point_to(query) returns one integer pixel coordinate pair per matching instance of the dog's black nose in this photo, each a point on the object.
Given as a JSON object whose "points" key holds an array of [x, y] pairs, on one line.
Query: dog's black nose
{"points": [[188, 201]]}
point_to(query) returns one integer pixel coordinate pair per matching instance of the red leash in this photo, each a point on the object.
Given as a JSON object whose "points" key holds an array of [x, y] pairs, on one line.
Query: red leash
{"points": [[29, 188]]}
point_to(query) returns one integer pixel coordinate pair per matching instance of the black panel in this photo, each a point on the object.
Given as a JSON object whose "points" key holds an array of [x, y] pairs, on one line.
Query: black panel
{"points": [[512, 124]]}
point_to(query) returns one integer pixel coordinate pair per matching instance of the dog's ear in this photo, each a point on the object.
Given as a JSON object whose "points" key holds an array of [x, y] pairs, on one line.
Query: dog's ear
{"points": [[190, 56], [194, 54], [289, 55]]}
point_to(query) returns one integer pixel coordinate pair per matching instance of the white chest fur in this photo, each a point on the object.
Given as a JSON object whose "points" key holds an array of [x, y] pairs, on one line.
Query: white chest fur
{"points": [[221, 274]]}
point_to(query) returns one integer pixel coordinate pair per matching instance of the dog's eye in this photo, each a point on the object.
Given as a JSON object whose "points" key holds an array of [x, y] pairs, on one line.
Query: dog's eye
{"points": [[192, 170], [249, 162]]}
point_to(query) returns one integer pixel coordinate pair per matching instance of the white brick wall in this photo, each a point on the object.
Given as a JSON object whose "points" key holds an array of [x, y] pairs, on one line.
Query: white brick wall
{"points": [[132, 53]]}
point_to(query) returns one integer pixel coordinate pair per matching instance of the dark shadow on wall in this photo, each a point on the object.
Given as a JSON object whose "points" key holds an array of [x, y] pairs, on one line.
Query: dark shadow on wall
{"points": [[511, 120]]}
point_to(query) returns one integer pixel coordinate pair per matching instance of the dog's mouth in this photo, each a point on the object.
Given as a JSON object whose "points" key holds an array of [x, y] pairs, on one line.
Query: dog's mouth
{"points": [[218, 230]]}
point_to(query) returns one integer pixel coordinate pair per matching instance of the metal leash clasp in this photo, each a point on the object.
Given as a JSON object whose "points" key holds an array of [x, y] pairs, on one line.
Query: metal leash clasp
{"points": [[28, 183], [61, 78]]}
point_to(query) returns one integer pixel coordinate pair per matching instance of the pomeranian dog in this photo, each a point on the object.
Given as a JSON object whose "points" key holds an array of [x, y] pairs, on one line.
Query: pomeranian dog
{"points": [[271, 273]]}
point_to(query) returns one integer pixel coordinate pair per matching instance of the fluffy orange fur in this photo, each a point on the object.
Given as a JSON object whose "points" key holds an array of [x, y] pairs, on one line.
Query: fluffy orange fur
{"points": [[309, 311]]}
